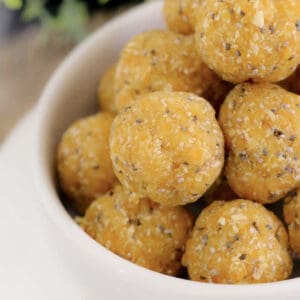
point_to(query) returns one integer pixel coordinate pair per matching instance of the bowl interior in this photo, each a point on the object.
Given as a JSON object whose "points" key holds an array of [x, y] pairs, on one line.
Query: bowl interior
{"points": [[71, 94]]}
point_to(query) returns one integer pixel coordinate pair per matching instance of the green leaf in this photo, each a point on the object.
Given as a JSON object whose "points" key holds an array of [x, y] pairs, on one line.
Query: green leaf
{"points": [[71, 20], [33, 9], [13, 4], [103, 2]]}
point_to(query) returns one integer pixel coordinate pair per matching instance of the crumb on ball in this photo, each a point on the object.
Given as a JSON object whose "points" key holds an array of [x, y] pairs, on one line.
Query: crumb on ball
{"points": [[242, 40], [238, 242], [83, 161], [168, 147], [106, 91], [162, 60], [291, 210], [261, 126], [146, 233]]}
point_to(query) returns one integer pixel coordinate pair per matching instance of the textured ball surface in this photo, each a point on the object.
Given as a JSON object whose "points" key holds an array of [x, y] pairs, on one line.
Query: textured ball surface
{"points": [[261, 127], [145, 233], [238, 242], [168, 147]]}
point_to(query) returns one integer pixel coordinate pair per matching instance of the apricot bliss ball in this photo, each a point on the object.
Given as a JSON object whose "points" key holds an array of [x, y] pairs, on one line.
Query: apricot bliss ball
{"points": [[167, 146], [291, 211], [83, 161], [242, 39], [237, 242], [106, 91], [180, 15], [161, 61], [261, 127], [145, 233]]}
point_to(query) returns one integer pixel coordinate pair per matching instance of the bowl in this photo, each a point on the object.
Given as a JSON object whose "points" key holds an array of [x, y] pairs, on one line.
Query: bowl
{"points": [[70, 94]]}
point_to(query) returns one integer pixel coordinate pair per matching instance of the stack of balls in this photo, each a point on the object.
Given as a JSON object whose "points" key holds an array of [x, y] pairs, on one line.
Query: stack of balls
{"points": [[206, 112]]}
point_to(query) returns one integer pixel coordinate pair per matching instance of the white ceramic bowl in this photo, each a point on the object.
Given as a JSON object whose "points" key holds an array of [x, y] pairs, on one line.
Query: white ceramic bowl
{"points": [[70, 94]]}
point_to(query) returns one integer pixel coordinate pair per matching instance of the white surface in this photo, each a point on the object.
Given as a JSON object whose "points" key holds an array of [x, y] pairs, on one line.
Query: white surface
{"points": [[31, 265]]}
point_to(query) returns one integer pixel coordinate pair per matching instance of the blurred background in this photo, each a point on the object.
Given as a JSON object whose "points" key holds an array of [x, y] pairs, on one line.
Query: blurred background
{"points": [[35, 36]]}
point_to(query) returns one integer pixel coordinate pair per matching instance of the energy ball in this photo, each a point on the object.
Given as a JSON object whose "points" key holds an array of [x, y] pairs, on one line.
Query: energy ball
{"points": [[83, 161], [262, 133], [161, 61], [291, 210], [106, 91], [237, 242], [180, 15], [168, 147], [242, 39], [145, 233]]}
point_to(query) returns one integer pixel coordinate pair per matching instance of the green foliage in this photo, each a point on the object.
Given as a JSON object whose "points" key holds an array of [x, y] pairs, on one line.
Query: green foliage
{"points": [[12, 4], [34, 9], [72, 18], [69, 22], [102, 2]]}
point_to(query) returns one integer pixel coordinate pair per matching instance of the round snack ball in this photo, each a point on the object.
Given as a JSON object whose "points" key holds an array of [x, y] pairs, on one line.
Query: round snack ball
{"points": [[168, 147], [292, 83], [180, 15], [161, 61], [145, 233], [83, 160], [242, 39], [291, 210], [237, 242], [106, 91], [262, 133]]}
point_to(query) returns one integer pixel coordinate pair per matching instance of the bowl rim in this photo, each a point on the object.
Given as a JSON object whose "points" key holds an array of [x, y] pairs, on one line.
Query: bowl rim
{"points": [[64, 222]]}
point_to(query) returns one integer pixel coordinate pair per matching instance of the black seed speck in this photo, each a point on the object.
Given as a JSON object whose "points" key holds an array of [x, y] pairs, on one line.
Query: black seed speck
{"points": [[255, 226], [243, 155], [289, 169], [127, 108], [243, 256], [227, 46], [236, 237], [292, 138], [277, 132], [265, 152], [269, 226], [298, 25], [197, 170]]}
